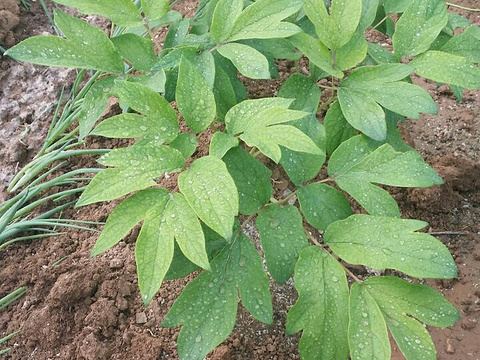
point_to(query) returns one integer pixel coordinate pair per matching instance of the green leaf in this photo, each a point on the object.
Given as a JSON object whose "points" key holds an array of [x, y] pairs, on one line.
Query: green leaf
{"points": [[224, 91], [301, 166], [211, 192], [153, 80], [186, 143], [402, 303], [419, 26], [224, 16], [305, 92], [137, 50], [176, 33], [282, 236], [322, 205], [94, 104], [322, 307], [205, 64], [282, 49], [384, 242], [135, 169], [86, 47], [207, 307], [263, 20], [146, 101], [181, 218], [247, 60], [269, 139], [448, 68], [155, 9], [367, 87], [356, 164], [380, 54], [316, 52], [335, 26], [337, 128], [369, 12], [396, 6], [352, 52], [239, 118], [367, 330], [221, 143], [169, 59], [252, 180], [195, 99], [126, 215], [465, 45], [125, 126], [121, 12]]}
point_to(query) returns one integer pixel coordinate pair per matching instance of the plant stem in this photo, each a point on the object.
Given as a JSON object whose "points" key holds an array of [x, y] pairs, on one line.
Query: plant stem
{"points": [[449, 233], [354, 277], [326, 103], [248, 219], [380, 22], [463, 7], [327, 87], [285, 200]]}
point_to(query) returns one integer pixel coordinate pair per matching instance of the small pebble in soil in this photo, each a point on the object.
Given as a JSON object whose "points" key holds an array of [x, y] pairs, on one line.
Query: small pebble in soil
{"points": [[141, 318], [450, 348], [116, 264]]}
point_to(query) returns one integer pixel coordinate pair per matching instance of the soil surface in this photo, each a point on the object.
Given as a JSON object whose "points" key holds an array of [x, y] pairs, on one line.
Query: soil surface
{"points": [[91, 308]]}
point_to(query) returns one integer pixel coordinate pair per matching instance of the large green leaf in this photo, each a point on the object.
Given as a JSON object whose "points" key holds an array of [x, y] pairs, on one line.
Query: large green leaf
{"points": [[153, 105], [369, 12], [465, 44], [337, 128], [335, 26], [155, 9], [367, 331], [207, 307], [402, 304], [322, 205], [263, 20], [282, 236], [195, 98], [135, 169], [247, 60], [85, 47], [302, 167], [352, 53], [252, 180], [137, 50], [224, 16], [419, 26], [322, 307], [316, 52], [448, 68], [165, 217], [221, 143], [361, 93], [383, 242], [357, 165], [211, 192], [121, 12]]}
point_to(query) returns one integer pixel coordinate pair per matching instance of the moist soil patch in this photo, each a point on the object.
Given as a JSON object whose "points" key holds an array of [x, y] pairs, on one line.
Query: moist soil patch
{"points": [[91, 308]]}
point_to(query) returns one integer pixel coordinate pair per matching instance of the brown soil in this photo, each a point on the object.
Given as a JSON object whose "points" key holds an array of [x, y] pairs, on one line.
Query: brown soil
{"points": [[91, 309]]}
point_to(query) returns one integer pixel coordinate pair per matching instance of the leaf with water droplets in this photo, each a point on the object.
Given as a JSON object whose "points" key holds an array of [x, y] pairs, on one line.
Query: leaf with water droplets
{"points": [[322, 205], [207, 307], [155, 9], [322, 307], [250, 62], [282, 236], [418, 27], [402, 304], [352, 53], [335, 26], [396, 6], [263, 20], [448, 68], [147, 102], [366, 88], [357, 166], [137, 50], [316, 52], [195, 98], [367, 330], [383, 242], [121, 12], [85, 47], [221, 143], [211, 192], [186, 143], [252, 179], [337, 128], [224, 16], [135, 169]]}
